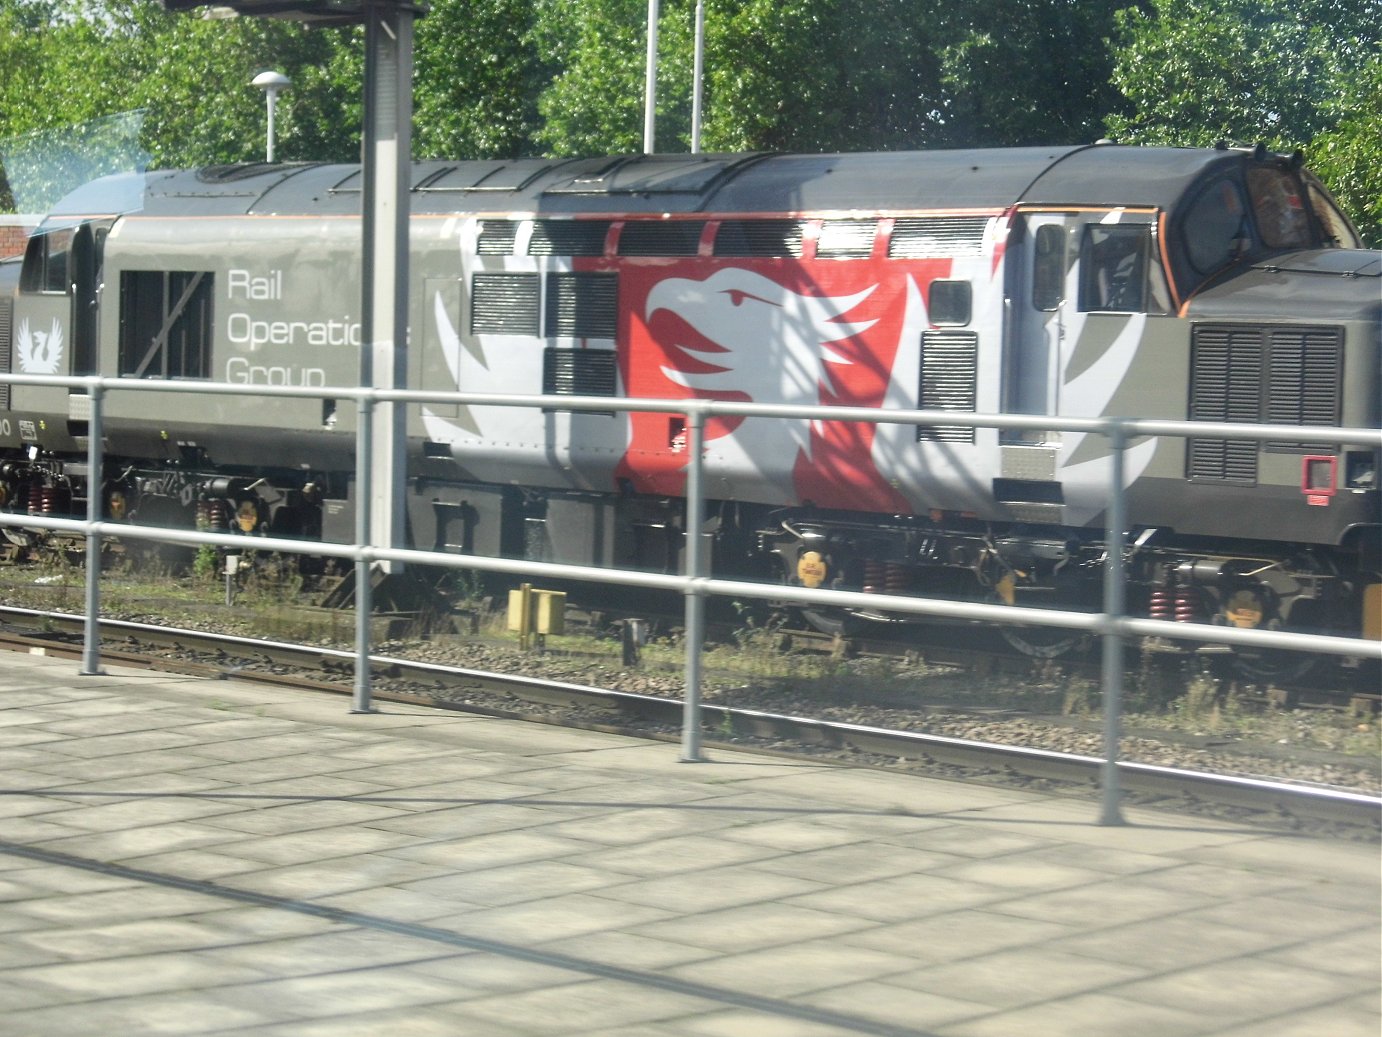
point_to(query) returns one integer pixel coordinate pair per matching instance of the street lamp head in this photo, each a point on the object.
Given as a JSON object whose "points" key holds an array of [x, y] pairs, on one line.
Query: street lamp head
{"points": [[271, 81]]}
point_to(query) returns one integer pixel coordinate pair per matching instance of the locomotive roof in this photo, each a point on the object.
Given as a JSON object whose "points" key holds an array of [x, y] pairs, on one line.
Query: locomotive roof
{"points": [[990, 179]]}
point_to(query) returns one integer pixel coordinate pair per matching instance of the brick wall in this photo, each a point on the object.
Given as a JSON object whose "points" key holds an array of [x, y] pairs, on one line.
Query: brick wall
{"points": [[14, 230]]}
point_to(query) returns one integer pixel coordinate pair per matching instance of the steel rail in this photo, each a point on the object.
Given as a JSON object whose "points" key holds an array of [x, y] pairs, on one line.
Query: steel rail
{"points": [[1168, 787]]}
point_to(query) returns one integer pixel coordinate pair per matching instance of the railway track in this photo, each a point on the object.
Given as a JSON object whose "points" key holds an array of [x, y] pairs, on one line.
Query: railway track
{"points": [[1301, 805]]}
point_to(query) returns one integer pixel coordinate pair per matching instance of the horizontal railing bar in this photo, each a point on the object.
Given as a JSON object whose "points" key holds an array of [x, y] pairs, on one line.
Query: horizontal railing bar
{"points": [[1130, 427], [1091, 622]]}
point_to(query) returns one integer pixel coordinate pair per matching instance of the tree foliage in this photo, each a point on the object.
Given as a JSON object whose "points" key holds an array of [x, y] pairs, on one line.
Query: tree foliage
{"points": [[477, 79], [566, 77], [811, 75], [1288, 73], [1348, 156], [188, 76]]}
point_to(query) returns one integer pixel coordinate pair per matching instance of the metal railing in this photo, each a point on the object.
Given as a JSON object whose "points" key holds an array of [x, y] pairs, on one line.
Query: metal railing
{"points": [[1111, 625]]}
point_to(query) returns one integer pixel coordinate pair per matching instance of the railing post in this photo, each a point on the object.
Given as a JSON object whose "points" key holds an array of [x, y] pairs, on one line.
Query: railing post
{"points": [[1111, 812], [91, 643], [364, 489], [695, 597]]}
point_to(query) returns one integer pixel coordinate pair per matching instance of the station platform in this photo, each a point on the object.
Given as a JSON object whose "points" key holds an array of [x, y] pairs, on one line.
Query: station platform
{"points": [[197, 856]]}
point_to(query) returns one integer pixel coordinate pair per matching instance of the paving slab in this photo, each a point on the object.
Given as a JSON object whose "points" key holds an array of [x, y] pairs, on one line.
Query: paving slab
{"points": [[211, 857]]}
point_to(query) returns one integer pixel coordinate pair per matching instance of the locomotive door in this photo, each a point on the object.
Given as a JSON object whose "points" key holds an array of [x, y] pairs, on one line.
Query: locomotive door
{"points": [[88, 246], [439, 366], [1036, 321], [1079, 291]]}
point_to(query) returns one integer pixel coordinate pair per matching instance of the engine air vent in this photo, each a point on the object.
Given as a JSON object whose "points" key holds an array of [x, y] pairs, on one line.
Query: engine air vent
{"points": [[949, 380], [780, 238], [6, 347], [496, 237], [582, 305], [1303, 382], [926, 237], [660, 237], [1225, 385], [1279, 374], [846, 239], [504, 304], [579, 372], [568, 238]]}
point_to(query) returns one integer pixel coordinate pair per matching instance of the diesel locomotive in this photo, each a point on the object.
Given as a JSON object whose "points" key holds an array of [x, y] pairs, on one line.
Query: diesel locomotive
{"points": [[1216, 285]]}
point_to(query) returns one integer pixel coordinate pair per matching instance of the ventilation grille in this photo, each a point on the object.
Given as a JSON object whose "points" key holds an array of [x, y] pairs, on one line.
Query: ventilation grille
{"points": [[568, 238], [6, 347], [949, 370], [496, 237], [660, 238], [582, 305], [579, 372], [504, 304], [1225, 385], [929, 237], [1304, 383], [846, 239], [759, 238], [1252, 374]]}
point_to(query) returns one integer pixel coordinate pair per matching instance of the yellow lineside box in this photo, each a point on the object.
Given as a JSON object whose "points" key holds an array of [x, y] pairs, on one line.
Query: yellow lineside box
{"points": [[546, 611], [1372, 611]]}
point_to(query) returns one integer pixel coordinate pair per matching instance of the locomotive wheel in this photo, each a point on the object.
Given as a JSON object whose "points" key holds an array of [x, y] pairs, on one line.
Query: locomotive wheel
{"points": [[1271, 665], [161, 511], [1038, 642], [834, 622], [1267, 665], [1043, 642], [19, 537]]}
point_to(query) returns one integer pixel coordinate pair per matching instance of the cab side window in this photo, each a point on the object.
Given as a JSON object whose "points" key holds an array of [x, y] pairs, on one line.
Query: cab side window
{"points": [[46, 262], [1113, 267]]}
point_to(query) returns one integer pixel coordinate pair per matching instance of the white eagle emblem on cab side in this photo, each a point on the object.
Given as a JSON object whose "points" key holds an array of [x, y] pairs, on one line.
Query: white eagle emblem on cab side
{"points": [[39, 352]]}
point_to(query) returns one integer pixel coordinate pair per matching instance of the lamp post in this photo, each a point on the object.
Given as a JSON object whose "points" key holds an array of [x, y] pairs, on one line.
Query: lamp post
{"points": [[386, 168], [272, 83], [650, 81]]}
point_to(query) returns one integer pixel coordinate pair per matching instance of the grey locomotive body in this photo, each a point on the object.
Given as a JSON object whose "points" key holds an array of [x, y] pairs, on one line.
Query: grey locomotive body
{"points": [[1216, 285]]}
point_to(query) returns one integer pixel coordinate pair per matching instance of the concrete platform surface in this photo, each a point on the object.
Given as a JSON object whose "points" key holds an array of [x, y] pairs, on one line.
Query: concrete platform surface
{"points": [[189, 856]]}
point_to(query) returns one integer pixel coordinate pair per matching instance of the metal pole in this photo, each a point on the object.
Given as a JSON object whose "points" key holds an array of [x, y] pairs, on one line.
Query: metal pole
{"points": [[650, 81], [1111, 812], [387, 163], [270, 96], [697, 89], [91, 636], [364, 488], [695, 597]]}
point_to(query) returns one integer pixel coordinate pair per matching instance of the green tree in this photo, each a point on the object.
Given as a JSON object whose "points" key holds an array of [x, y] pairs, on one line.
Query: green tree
{"points": [[814, 75], [477, 81], [806, 75], [1288, 73], [596, 52], [1020, 72], [1348, 157], [69, 62]]}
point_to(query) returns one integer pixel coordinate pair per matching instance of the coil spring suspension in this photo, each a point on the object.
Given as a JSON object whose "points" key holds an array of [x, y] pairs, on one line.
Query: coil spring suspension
{"points": [[1174, 601], [213, 516], [47, 500], [886, 577]]}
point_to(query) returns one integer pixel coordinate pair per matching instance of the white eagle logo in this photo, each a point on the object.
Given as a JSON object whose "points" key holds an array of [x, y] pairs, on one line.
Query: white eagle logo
{"points": [[763, 340], [40, 352]]}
